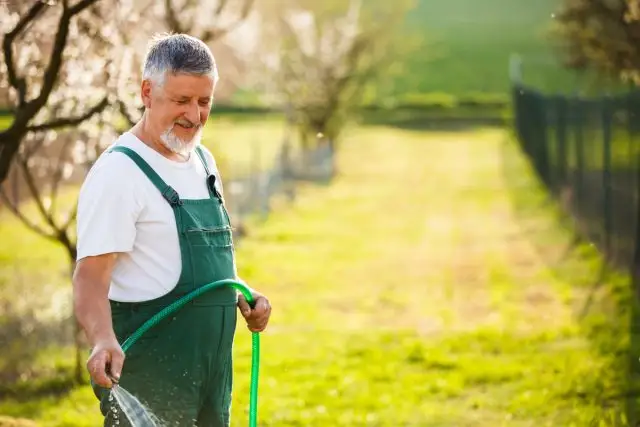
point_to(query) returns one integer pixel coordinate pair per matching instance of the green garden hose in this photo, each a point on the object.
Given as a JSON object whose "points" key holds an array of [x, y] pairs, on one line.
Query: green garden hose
{"points": [[255, 336]]}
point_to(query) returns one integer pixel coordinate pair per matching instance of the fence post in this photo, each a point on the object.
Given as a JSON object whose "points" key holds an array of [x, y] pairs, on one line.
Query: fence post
{"points": [[605, 108], [579, 147], [561, 142], [542, 148], [634, 128], [515, 68]]}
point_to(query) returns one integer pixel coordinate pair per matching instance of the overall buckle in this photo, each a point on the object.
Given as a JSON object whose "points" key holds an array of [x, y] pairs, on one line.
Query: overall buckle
{"points": [[172, 196]]}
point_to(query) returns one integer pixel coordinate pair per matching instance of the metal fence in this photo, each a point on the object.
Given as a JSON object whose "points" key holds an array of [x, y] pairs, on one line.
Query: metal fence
{"points": [[586, 152]]}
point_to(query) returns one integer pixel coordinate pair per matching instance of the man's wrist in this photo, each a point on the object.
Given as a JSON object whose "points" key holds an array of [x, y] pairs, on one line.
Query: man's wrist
{"points": [[102, 335]]}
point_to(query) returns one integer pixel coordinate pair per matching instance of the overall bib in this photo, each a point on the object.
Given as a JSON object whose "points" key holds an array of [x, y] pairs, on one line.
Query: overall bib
{"points": [[181, 369]]}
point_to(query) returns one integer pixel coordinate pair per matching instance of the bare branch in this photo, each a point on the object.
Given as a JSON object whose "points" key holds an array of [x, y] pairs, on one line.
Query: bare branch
{"points": [[55, 61], [171, 17], [35, 194], [215, 32], [58, 174], [122, 107], [71, 121], [80, 6], [70, 218], [16, 82], [23, 218], [9, 145]]}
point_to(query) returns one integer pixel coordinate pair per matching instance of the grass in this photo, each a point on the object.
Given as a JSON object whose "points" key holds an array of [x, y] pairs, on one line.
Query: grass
{"points": [[241, 149], [5, 121], [425, 287], [465, 48]]}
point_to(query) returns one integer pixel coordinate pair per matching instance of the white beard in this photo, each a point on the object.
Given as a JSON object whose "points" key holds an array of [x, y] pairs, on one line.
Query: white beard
{"points": [[178, 145]]}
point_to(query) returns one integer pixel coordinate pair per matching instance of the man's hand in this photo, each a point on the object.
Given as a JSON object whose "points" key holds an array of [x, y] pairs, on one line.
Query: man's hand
{"points": [[105, 362], [91, 280], [258, 317]]}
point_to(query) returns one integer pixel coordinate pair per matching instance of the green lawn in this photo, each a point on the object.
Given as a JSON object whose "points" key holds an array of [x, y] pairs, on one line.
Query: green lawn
{"points": [[466, 46], [240, 149], [422, 288]]}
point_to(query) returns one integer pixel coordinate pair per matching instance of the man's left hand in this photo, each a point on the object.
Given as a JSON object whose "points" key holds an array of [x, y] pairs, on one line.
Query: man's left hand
{"points": [[258, 317]]}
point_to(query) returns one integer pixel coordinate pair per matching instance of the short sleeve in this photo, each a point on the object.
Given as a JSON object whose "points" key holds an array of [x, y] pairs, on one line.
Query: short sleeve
{"points": [[108, 209]]}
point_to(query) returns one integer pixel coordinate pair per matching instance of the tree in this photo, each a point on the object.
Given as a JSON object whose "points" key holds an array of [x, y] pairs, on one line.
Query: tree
{"points": [[320, 57], [38, 104], [59, 116], [601, 35]]}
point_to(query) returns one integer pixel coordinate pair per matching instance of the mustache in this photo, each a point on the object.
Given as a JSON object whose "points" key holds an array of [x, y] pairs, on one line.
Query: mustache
{"points": [[186, 123]]}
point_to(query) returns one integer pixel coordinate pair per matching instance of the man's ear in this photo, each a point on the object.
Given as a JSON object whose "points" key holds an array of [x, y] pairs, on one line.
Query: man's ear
{"points": [[145, 93]]}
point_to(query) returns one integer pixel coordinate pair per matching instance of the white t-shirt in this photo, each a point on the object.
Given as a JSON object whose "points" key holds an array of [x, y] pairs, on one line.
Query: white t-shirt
{"points": [[120, 210]]}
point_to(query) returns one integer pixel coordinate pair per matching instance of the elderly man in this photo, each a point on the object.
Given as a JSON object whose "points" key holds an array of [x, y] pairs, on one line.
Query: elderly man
{"points": [[152, 226]]}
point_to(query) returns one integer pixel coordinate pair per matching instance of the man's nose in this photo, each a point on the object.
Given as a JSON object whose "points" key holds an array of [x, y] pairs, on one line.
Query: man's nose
{"points": [[193, 113]]}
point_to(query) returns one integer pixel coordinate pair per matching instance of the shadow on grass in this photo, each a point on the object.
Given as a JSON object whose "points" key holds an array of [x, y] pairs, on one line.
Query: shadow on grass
{"points": [[418, 122], [608, 309], [58, 386]]}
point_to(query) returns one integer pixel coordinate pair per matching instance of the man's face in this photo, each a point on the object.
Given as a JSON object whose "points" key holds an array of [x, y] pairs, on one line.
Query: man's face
{"points": [[178, 110]]}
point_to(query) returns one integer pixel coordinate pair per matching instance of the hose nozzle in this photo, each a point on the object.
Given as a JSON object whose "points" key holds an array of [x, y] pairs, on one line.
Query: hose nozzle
{"points": [[113, 379]]}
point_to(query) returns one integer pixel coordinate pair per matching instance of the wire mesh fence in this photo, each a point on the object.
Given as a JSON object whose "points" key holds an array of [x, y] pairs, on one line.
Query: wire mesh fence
{"points": [[585, 151]]}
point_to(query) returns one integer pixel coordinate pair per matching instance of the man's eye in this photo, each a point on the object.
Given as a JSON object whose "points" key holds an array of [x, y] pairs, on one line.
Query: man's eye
{"points": [[182, 101]]}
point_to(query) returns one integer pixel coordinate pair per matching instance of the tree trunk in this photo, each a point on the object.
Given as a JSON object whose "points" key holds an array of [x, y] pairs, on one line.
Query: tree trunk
{"points": [[9, 144], [78, 340]]}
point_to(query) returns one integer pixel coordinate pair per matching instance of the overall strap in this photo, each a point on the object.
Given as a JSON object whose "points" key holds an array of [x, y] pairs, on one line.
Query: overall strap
{"points": [[202, 159], [166, 190], [211, 178]]}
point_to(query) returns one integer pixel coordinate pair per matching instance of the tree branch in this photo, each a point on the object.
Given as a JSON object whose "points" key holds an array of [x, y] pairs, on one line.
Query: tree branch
{"points": [[16, 82], [171, 17], [214, 33], [55, 62], [71, 121], [9, 144], [59, 174], [16, 211], [35, 194], [80, 6], [122, 107], [71, 217]]}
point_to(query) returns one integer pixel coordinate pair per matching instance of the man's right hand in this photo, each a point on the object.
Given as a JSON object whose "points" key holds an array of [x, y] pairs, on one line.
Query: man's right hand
{"points": [[105, 362], [91, 281]]}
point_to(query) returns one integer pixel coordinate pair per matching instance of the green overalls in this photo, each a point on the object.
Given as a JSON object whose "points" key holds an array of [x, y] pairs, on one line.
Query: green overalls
{"points": [[181, 369]]}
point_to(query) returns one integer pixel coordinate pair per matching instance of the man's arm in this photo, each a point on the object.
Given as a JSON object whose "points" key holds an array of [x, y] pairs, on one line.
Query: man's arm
{"points": [[108, 209], [91, 280]]}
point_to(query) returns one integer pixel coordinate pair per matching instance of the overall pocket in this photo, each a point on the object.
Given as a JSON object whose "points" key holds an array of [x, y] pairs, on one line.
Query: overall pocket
{"points": [[220, 237], [212, 259]]}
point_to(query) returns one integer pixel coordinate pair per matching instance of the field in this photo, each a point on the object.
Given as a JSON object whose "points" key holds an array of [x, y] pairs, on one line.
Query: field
{"points": [[429, 285], [468, 43]]}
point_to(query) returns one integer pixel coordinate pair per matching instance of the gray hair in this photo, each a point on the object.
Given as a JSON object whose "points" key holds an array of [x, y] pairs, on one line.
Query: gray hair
{"points": [[178, 54]]}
